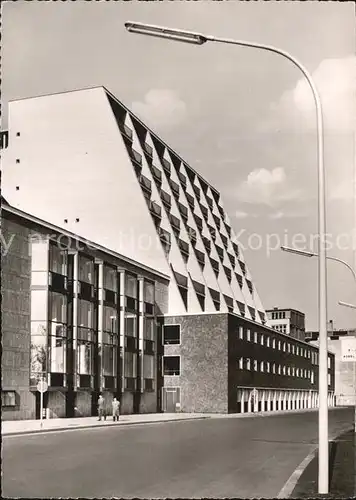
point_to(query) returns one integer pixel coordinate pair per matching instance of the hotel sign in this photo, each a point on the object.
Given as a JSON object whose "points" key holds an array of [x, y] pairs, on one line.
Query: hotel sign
{"points": [[348, 349]]}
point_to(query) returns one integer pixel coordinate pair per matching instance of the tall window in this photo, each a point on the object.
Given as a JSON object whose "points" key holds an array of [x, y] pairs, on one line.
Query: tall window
{"points": [[148, 367], [149, 329], [131, 285], [149, 292], [85, 356], [57, 260], [86, 269], [131, 324], [109, 354], [241, 332], [110, 278], [130, 364]]}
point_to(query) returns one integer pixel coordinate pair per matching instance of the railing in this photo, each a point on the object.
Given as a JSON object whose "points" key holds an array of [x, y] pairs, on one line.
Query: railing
{"points": [[220, 252], [217, 220], [207, 244], [155, 209], [199, 288], [242, 307], [214, 295], [196, 191], [166, 165], [243, 267], [165, 236], [157, 174], [232, 259], [199, 222], [183, 210], [126, 130], [148, 149], [210, 202], [205, 211], [229, 301], [136, 156], [183, 246], [224, 240], [215, 265], [174, 187], [183, 179], [192, 234], [171, 372], [174, 221], [145, 184], [166, 198], [190, 200]]}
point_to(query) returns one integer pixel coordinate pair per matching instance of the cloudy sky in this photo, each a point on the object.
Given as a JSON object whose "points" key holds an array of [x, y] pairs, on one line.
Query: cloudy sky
{"points": [[243, 118]]}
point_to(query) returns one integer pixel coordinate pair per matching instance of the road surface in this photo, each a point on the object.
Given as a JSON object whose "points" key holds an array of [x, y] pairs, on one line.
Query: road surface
{"points": [[225, 457]]}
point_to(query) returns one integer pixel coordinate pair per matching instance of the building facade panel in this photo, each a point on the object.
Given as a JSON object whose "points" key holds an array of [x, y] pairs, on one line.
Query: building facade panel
{"points": [[203, 370]]}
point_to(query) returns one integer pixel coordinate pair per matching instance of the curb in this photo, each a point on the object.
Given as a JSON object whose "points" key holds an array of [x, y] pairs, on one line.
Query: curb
{"points": [[292, 482], [95, 426]]}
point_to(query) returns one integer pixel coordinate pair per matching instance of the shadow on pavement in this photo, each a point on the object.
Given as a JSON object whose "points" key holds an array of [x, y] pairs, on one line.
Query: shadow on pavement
{"points": [[342, 453]]}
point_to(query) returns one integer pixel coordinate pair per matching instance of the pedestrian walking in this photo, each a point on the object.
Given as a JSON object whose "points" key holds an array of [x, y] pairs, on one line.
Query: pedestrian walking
{"points": [[115, 410], [101, 409]]}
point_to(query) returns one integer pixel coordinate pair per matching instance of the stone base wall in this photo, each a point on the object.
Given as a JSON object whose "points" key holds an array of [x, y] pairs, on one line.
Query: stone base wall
{"points": [[56, 404], [148, 403], [83, 404], [126, 407]]}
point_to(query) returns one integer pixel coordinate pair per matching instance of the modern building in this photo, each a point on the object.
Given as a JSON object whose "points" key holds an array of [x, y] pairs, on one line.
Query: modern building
{"points": [[288, 321], [79, 316], [121, 275], [345, 371]]}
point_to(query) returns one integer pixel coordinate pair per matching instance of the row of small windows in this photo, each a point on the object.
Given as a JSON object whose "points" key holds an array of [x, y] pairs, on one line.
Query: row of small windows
{"points": [[274, 368], [280, 345], [279, 315], [280, 328]]}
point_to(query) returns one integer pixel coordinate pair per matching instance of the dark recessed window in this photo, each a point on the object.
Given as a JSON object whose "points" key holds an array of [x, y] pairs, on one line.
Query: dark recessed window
{"points": [[171, 334], [17, 160], [77, 220], [171, 365], [17, 188], [17, 134], [66, 221]]}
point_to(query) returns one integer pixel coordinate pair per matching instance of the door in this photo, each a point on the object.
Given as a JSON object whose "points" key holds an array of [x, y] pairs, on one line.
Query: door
{"points": [[171, 396]]}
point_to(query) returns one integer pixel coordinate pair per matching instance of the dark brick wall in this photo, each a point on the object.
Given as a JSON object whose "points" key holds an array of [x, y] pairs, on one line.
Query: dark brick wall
{"points": [[248, 378], [204, 373], [15, 322]]}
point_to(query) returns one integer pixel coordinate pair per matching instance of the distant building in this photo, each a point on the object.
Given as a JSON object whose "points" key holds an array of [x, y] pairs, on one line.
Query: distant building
{"points": [[345, 376], [288, 321]]}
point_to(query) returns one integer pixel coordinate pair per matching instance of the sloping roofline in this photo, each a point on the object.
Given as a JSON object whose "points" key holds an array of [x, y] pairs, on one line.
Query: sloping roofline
{"points": [[132, 114], [15, 211]]}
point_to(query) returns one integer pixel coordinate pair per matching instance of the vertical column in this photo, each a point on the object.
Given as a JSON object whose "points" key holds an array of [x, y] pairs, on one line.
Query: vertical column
{"points": [[121, 276], [269, 393], [100, 323], [255, 400], [141, 306], [274, 405], [263, 396], [249, 402], [76, 291], [243, 401]]}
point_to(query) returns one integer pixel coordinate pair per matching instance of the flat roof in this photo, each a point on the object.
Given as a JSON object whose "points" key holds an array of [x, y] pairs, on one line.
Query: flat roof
{"points": [[15, 211]]}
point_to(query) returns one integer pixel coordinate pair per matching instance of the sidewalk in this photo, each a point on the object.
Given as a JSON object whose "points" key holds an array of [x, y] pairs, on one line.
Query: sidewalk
{"points": [[342, 471], [16, 427]]}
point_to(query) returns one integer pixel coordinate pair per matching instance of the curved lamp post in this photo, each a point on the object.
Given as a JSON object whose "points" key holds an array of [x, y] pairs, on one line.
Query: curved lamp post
{"points": [[200, 39]]}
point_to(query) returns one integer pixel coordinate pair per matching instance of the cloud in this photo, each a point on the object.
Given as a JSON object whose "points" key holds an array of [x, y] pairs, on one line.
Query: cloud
{"points": [[335, 82], [239, 214], [267, 187], [161, 107]]}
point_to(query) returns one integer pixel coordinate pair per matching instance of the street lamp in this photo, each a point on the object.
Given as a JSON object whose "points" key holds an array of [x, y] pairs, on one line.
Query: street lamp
{"points": [[304, 253], [200, 39]]}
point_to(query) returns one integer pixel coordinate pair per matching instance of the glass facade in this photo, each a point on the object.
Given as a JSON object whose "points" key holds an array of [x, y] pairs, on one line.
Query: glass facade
{"points": [[64, 345]]}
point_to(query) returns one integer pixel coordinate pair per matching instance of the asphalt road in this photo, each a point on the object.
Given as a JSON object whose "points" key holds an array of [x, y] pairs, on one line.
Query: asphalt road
{"points": [[229, 457]]}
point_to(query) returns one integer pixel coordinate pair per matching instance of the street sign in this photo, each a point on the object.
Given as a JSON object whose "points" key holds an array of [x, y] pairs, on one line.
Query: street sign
{"points": [[42, 386], [348, 349]]}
